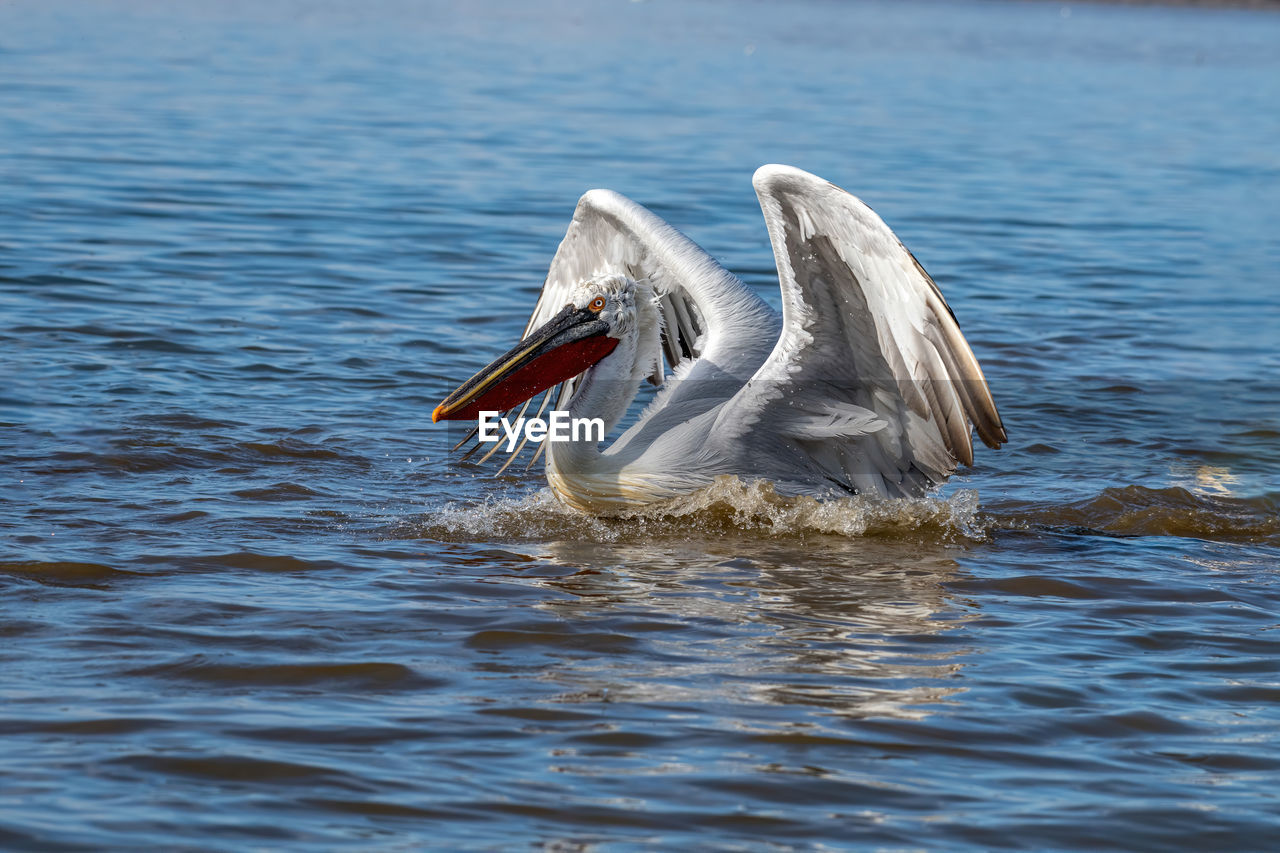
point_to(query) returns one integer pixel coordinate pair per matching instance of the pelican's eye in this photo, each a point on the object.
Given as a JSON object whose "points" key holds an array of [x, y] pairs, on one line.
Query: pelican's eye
{"points": [[596, 304]]}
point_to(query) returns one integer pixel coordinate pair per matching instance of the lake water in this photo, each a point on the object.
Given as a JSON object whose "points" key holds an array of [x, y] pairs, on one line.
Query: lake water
{"points": [[247, 600]]}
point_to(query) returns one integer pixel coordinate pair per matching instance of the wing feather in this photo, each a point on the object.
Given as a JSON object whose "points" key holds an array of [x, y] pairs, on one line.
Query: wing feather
{"points": [[712, 324], [864, 326]]}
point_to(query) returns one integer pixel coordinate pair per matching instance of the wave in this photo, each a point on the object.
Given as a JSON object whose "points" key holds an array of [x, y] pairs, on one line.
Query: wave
{"points": [[731, 506], [1140, 511]]}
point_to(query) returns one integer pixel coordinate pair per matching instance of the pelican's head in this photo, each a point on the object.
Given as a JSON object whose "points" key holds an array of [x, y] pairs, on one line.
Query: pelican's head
{"points": [[603, 313]]}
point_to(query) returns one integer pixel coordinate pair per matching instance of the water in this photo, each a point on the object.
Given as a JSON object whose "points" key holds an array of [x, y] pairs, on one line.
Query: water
{"points": [[248, 601]]}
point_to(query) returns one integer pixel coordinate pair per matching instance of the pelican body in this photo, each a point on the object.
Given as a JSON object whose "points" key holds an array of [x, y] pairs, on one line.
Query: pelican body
{"points": [[864, 384]]}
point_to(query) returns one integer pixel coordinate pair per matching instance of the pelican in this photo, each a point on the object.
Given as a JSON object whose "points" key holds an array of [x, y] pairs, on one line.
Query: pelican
{"points": [[863, 385]]}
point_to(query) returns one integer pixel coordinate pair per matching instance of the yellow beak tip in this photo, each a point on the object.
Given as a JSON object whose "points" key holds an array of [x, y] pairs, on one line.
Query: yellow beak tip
{"points": [[435, 415]]}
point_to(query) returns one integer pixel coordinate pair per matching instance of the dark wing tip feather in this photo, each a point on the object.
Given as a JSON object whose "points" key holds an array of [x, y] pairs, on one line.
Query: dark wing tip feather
{"points": [[979, 405]]}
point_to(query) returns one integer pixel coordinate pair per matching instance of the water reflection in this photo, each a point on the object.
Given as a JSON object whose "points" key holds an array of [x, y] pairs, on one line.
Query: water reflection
{"points": [[855, 628]]}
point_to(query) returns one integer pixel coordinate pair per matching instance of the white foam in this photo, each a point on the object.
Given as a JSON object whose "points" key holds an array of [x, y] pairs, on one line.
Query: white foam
{"points": [[727, 505]]}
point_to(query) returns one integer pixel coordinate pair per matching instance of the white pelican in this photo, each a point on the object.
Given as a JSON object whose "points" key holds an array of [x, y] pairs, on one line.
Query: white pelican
{"points": [[864, 384]]}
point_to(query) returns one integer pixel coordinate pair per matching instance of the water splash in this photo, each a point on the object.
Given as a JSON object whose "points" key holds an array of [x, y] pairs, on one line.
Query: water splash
{"points": [[728, 506]]}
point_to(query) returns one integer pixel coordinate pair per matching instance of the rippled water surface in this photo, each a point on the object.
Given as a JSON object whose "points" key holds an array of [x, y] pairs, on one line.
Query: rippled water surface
{"points": [[249, 602]]}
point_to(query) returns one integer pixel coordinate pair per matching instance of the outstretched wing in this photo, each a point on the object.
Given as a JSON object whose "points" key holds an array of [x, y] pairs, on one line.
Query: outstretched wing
{"points": [[872, 386], [706, 310]]}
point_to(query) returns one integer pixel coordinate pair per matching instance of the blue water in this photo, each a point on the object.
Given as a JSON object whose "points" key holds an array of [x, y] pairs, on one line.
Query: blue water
{"points": [[249, 600]]}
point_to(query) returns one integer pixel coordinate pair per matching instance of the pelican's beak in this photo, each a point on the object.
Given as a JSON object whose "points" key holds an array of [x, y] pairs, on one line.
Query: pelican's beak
{"points": [[568, 344]]}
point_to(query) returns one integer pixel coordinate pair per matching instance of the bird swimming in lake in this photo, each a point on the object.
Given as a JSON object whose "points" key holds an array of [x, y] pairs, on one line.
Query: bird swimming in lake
{"points": [[863, 385]]}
